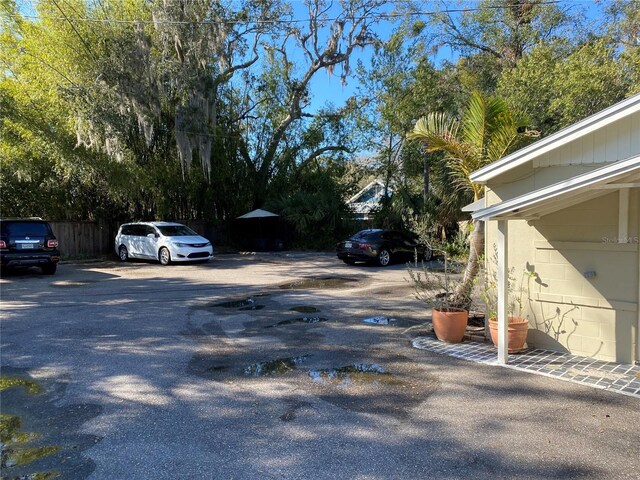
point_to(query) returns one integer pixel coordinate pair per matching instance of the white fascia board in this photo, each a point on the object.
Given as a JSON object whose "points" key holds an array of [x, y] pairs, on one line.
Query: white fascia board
{"points": [[584, 181], [474, 206], [584, 127]]}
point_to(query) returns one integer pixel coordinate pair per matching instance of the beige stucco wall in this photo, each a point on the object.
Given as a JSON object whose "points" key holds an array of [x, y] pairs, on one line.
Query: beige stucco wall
{"points": [[598, 316]]}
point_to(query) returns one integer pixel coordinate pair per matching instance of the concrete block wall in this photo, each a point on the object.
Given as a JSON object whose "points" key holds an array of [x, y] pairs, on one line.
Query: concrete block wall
{"points": [[596, 316]]}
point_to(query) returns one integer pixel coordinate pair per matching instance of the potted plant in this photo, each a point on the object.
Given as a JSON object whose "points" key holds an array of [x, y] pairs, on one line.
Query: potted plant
{"points": [[450, 313], [517, 325]]}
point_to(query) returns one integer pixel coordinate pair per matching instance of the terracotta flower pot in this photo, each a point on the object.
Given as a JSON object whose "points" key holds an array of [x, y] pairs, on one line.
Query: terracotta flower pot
{"points": [[516, 333], [450, 324]]}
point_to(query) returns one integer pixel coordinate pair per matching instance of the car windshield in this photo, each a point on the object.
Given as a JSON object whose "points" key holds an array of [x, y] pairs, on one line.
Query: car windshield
{"points": [[176, 231], [25, 229], [366, 235]]}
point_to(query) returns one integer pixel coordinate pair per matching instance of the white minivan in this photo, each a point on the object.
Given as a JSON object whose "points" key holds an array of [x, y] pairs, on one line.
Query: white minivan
{"points": [[163, 241]]}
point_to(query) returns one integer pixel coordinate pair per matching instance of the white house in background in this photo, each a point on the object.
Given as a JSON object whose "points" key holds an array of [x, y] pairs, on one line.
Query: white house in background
{"points": [[368, 200], [568, 209]]}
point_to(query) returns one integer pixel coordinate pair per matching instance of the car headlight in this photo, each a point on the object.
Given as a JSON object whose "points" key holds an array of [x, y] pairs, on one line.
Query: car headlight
{"points": [[180, 245], [208, 244]]}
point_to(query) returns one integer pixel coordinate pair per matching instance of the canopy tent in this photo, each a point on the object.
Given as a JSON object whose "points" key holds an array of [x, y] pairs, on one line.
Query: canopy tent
{"points": [[258, 213], [260, 230]]}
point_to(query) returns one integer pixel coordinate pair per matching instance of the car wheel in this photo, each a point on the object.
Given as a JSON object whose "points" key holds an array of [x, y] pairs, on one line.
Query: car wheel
{"points": [[427, 254], [165, 256], [384, 257], [123, 253], [49, 269]]}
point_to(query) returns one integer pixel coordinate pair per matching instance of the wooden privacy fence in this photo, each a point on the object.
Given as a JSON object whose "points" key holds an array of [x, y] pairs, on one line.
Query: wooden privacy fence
{"points": [[84, 239], [92, 239]]}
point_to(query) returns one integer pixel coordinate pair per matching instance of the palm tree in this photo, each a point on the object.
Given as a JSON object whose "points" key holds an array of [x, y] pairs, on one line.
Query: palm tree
{"points": [[486, 132]]}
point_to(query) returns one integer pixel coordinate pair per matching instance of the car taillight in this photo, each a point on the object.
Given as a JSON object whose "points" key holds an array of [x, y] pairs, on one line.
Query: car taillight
{"points": [[52, 243], [3, 244]]}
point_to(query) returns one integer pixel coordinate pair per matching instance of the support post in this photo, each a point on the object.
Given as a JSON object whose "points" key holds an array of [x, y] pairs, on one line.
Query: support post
{"points": [[623, 237], [503, 291], [623, 215]]}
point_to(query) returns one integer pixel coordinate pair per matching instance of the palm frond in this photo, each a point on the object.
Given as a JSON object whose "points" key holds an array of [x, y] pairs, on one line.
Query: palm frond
{"points": [[503, 138], [475, 122], [487, 132], [435, 131]]}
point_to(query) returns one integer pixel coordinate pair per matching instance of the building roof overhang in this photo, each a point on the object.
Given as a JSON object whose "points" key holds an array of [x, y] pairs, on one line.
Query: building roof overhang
{"points": [[578, 189], [590, 124], [378, 182]]}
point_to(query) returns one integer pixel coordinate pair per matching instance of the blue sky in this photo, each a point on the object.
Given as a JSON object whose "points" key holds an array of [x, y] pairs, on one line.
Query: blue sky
{"points": [[327, 88]]}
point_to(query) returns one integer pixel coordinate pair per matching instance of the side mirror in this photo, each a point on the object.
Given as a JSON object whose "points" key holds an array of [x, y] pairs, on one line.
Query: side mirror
{"points": [[152, 235]]}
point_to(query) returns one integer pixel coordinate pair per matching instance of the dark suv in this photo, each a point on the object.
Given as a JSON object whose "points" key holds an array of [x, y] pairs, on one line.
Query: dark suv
{"points": [[27, 243]]}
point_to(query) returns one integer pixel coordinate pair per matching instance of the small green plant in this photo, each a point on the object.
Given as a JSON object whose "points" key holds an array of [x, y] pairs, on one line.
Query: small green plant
{"points": [[457, 247]]}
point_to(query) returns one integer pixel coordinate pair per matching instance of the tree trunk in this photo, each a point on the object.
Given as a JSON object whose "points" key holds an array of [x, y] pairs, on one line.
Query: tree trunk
{"points": [[425, 173], [259, 189], [462, 296]]}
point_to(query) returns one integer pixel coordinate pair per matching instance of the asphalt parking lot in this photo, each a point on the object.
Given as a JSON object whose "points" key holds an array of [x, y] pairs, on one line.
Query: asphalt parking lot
{"points": [[263, 367]]}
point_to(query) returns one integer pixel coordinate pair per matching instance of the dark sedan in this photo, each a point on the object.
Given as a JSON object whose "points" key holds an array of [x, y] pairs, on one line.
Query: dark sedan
{"points": [[382, 247]]}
